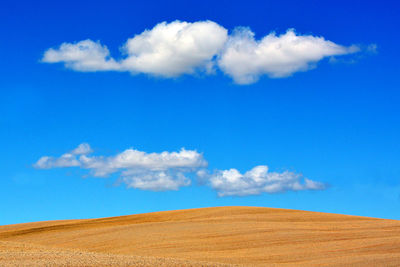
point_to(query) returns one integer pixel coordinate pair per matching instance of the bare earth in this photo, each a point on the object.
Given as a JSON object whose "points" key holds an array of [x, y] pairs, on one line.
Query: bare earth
{"points": [[222, 236]]}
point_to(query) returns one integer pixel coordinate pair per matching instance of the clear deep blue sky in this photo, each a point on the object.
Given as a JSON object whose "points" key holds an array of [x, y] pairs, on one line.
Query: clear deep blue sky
{"points": [[338, 123]]}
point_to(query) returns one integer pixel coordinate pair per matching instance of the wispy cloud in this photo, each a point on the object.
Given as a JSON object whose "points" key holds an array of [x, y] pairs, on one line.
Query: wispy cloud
{"points": [[177, 48], [168, 171]]}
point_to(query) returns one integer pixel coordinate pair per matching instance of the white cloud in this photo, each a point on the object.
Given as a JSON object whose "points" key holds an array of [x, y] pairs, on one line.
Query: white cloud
{"points": [[82, 56], [246, 59], [82, 149], [168, 50], [167, 171], [138, 169], [132, 160], [172, 49], [258, 180], [66, 160], [156, 180], [177, 48]]}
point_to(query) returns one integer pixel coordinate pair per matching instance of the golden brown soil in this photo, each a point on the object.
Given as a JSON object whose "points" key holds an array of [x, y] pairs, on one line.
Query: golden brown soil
{"points": [[205, 237]]}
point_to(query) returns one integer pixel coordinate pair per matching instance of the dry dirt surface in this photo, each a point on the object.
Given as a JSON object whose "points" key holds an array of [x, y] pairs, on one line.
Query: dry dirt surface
{"points": [[222, 236]]}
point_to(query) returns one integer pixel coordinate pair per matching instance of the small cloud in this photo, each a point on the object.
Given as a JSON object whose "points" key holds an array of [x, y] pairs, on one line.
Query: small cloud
{"points": [[259, 180], [82, 56], [82, 149], [65, 160]]}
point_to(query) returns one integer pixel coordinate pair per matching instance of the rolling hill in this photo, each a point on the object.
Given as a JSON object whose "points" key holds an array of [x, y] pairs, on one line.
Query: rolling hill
{"points": [[220, 236]]}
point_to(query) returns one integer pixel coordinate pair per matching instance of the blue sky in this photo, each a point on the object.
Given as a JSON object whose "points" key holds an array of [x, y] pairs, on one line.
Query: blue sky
{"points": [[336, 121]]}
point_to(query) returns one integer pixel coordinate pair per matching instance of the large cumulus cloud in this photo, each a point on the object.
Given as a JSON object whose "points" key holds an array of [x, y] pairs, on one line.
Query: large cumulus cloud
{"points": [[177, 48]]}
